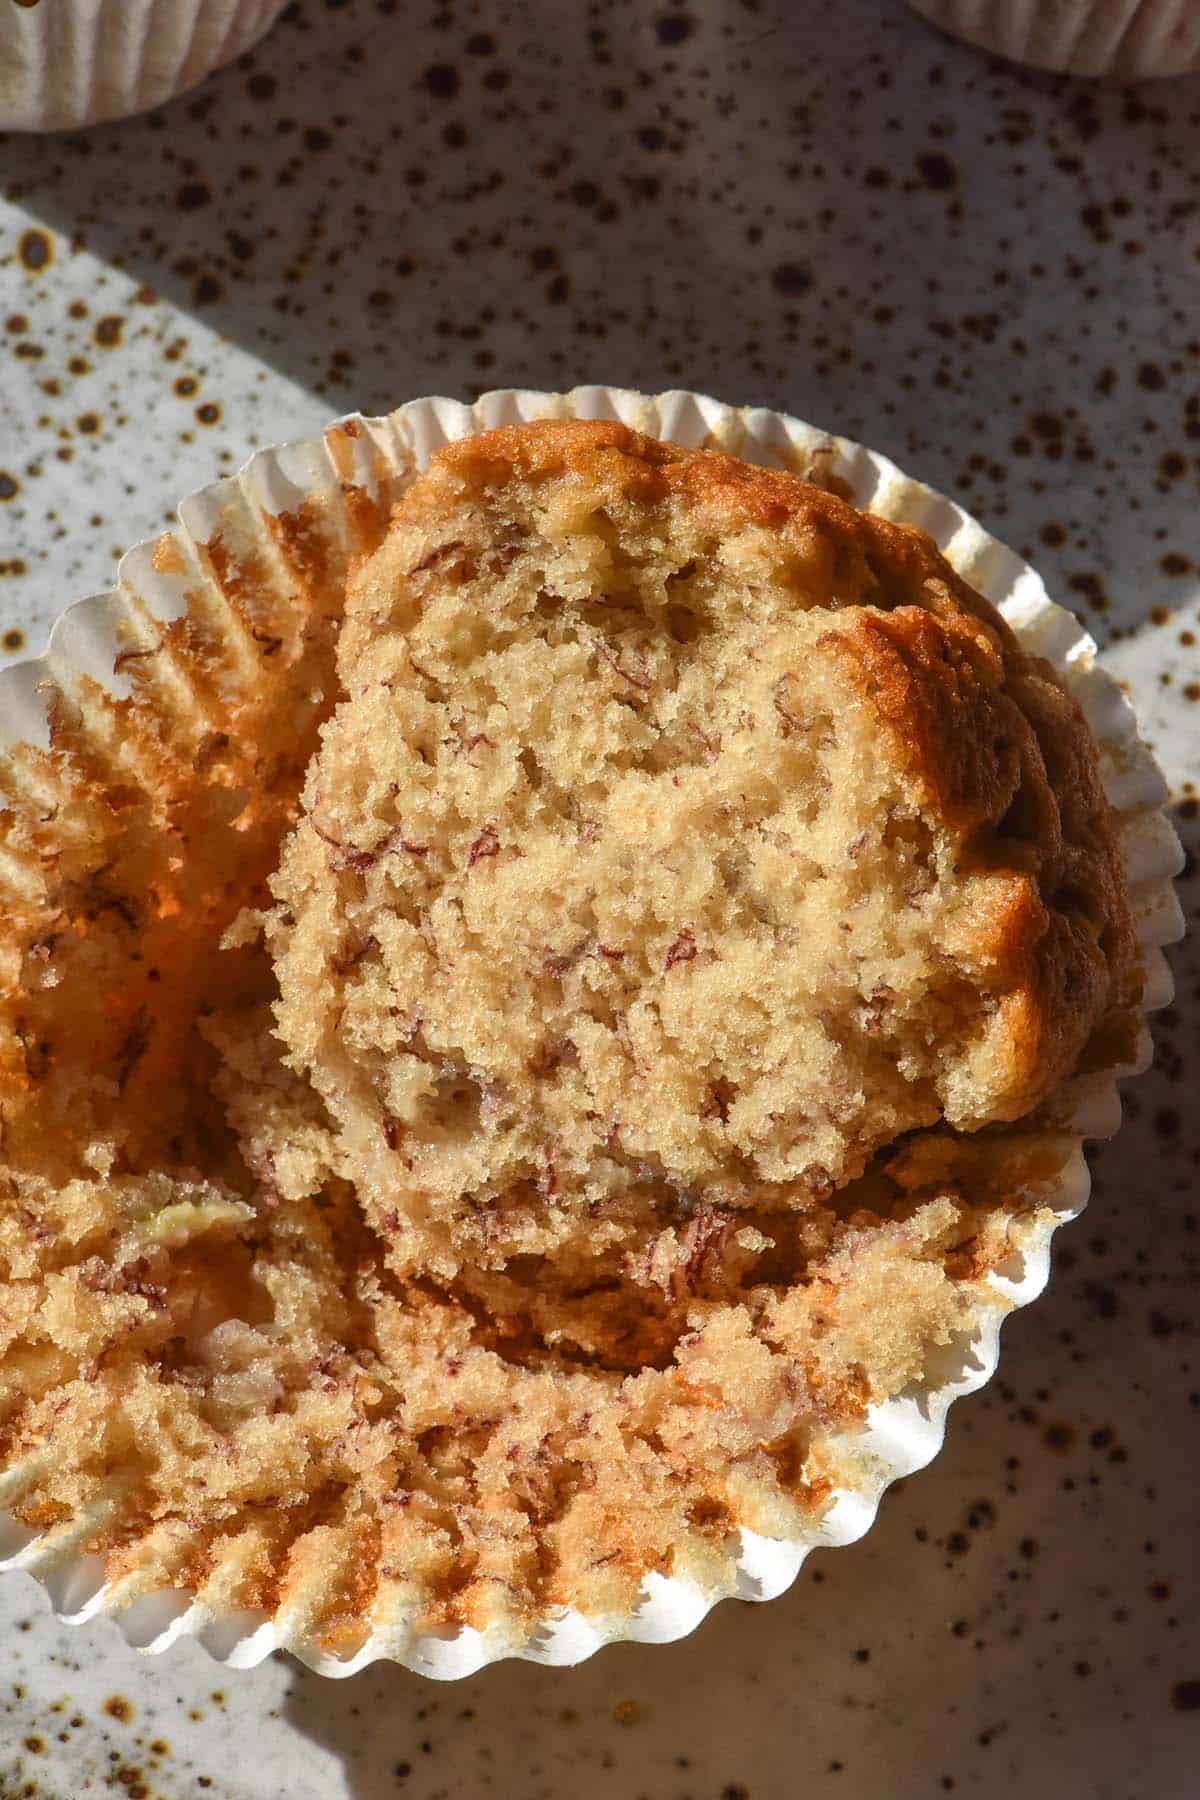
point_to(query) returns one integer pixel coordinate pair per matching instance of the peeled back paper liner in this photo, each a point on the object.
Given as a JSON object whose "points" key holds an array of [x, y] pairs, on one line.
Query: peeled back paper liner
{"points": [[209, 605]]}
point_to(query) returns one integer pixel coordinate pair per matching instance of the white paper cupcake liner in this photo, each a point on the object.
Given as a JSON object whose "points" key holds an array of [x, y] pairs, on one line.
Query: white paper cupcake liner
{"points": [[65, 63], [349, 478], [1128, 38]]}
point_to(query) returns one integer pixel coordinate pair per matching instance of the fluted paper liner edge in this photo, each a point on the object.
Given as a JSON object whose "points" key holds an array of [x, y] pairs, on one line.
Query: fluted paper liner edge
{"points": [[358, 466], [70, 63], [1128, 39]]}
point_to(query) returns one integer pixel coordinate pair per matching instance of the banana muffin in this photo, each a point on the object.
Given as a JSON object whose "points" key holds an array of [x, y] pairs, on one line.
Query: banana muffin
{"points": [[630, 1073]]}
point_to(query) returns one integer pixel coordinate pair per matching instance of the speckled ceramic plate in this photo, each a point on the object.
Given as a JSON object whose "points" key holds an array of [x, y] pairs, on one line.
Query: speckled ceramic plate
{"points": [[367, 461]]}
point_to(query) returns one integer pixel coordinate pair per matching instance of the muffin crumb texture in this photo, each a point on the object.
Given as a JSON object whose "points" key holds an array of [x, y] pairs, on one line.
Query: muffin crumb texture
{"points": [[485, 1119]]}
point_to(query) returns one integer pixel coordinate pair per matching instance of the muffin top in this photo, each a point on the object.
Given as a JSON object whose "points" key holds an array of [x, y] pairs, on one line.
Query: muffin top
{"points": [[630, 1074], [686, 836]]}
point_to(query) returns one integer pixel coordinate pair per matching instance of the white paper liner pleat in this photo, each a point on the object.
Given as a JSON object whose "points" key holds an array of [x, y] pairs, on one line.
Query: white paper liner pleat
{"points": [[66, 63], [374, 459], [1129, 38]]}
